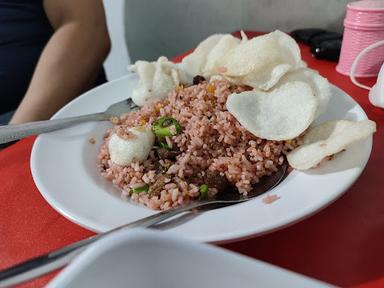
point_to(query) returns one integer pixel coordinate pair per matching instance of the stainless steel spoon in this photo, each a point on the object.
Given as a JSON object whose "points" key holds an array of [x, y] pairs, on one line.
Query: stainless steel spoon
{"points": [[51, 261], [14, 132]]}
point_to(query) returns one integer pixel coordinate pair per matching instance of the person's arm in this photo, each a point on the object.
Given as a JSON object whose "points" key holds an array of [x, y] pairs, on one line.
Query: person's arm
{"points": [[71, 60]]}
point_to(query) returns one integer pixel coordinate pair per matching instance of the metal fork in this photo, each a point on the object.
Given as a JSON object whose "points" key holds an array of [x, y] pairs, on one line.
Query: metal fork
{"points": [[51, 261], [14, 132]]}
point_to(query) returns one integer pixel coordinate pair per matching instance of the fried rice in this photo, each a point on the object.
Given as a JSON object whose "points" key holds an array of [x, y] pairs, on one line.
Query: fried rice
{"points": [[212, 144]]}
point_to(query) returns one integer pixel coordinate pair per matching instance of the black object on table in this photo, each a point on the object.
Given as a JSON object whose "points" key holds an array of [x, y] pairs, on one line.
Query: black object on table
{"points": [[323, 44], [329, 50], [305, 35]]}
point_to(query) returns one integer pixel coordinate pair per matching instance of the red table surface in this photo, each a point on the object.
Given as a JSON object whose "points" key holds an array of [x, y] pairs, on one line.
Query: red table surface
{"points": [[342, 245]]}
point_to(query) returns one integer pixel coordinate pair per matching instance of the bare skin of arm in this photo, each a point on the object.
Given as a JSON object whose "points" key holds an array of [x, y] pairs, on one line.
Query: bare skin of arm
{"points": [[71, 60]]}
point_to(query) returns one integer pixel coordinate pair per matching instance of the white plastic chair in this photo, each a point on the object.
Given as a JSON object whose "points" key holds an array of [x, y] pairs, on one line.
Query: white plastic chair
{"points": [[151, 28]]}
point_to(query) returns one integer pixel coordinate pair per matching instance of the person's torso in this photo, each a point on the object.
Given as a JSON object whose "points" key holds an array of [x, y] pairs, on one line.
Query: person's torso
{"points": [[24, 31]]}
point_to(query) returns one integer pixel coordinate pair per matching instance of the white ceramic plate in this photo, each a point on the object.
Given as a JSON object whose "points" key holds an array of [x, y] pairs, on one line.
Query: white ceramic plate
{"points": [[144, 259], [63, 165]]}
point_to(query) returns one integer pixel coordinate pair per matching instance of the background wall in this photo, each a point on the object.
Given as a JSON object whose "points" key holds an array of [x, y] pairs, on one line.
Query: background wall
{"points": [[151, 28], [117, 61]]}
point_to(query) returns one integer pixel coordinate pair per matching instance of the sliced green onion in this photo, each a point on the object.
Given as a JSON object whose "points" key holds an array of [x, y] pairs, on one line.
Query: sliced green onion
{"points": [[164, 145], [203, 191], [138, 190], [166, 126]]}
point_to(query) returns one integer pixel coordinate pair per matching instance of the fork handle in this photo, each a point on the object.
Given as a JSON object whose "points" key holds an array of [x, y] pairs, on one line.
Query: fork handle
{"points": [[51, 261], [14, 132]]}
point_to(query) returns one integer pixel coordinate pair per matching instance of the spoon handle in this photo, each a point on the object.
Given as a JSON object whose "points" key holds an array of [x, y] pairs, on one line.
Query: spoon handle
{"points": [[51, 261], [14, 132]]}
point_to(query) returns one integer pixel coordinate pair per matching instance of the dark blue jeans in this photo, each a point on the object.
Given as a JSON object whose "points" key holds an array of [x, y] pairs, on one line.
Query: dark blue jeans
{"points": [[4, 118]]}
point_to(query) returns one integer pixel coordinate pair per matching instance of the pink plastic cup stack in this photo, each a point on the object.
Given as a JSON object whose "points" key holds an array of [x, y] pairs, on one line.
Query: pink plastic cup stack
{"points": [[363, 26]]}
